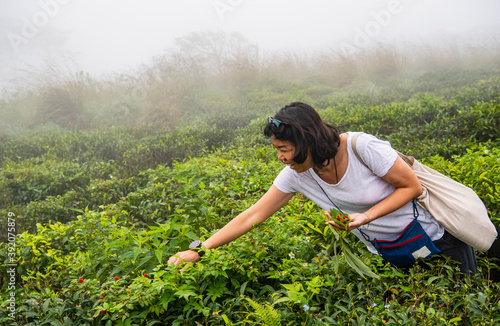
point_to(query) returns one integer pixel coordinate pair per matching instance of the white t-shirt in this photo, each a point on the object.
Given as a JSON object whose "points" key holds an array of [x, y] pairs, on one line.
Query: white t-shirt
{"points": [[361, 188]]}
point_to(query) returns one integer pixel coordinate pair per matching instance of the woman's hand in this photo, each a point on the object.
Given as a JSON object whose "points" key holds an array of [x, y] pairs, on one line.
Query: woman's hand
{"points": [[190, 256], [357, 220]]}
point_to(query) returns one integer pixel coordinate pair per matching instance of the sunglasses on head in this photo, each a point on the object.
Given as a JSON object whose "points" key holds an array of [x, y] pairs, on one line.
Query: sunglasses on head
{"points": [[275, 122]]}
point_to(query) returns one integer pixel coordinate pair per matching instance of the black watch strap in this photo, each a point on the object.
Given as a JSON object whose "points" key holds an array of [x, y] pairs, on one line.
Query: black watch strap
{"points": [[197, 245]]}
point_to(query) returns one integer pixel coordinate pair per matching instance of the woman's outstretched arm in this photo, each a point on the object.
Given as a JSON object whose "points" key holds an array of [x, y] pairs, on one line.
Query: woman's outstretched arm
{"points": [[266, 206]]}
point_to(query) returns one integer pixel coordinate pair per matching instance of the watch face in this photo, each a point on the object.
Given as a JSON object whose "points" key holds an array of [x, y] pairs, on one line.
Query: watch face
{"points": [[195, 244]]}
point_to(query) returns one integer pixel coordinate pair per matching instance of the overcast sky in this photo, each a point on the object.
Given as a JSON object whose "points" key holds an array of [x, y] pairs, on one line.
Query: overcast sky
{"points": [[114, 35]]}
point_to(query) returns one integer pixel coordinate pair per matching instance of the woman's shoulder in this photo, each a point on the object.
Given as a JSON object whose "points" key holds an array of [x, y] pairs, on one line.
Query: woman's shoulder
{"points": [[363, 140], [375, 153], [289, 180]]}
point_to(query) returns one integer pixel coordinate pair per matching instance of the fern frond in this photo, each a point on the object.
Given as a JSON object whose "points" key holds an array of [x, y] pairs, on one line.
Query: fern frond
{"points": [[265, 312]]}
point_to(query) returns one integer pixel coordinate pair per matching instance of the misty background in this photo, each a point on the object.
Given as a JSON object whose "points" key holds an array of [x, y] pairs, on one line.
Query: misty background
{"points": [[112, 36], [159, 59]]}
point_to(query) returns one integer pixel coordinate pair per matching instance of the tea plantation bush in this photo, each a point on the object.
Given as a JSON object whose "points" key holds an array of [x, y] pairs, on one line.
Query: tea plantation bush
{"points": [[283, 265], [97, 214]]}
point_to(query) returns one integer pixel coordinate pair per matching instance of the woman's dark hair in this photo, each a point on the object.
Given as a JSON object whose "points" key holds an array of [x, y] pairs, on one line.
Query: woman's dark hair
{"points": [[300, 124]]}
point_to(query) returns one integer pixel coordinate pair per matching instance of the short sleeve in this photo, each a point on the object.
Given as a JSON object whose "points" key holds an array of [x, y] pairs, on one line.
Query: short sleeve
{"points": [[286, 181], [377, 154]]}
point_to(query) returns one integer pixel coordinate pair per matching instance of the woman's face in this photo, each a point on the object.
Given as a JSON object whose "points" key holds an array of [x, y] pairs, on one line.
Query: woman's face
{"points": [[286, 151]]}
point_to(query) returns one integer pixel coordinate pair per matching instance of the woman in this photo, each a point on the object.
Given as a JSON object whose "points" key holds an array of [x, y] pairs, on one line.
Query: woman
{"points": [[321, 165]]}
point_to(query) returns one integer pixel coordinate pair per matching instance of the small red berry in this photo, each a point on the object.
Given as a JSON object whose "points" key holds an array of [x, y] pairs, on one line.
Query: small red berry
{"points": [[145, 274], [80, 280], [116, 278], [103, 311], [253, 242], [346, 218], [338, 218], [101, 297]]}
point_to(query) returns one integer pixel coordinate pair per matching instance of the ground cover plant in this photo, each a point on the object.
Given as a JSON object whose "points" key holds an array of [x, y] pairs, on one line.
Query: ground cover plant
{"points": [[108, 265], [98, 211]]}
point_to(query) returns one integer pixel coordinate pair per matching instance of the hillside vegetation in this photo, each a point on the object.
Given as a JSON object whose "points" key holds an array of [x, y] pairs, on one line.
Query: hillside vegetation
{"points": [[99, 197]]}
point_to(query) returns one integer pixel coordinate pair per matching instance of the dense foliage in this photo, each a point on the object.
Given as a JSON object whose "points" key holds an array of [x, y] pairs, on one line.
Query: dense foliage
{"points": [[98, 212]]}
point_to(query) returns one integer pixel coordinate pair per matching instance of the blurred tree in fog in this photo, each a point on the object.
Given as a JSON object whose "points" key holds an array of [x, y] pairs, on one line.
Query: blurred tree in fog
{"points": [[215, 52]]}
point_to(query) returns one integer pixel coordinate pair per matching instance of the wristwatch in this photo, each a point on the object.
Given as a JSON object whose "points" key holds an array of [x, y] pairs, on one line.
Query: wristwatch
{"points": [[196, 245]]}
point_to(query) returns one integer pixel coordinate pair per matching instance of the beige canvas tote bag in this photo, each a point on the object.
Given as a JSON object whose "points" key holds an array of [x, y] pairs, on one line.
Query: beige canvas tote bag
{"points": [[456, 207]]}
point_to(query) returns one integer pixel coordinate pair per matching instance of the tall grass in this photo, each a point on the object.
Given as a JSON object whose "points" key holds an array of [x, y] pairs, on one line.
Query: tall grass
{"points": [[208, 75]]}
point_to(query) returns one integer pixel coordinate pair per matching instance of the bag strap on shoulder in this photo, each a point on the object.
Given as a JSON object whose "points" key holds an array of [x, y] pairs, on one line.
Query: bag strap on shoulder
{"points": [[353, 145], [408, 159]]}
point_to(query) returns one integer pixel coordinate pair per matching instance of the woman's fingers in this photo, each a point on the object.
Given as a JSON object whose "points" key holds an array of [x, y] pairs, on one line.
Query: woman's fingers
{"points": [[335, 225], [174, 260], [184, 256], [356, 220]]}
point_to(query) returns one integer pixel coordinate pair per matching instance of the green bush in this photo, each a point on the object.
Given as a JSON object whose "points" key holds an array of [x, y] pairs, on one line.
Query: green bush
{"points": [[36, 179], [99, 270], [118, 202], [178, 145]]}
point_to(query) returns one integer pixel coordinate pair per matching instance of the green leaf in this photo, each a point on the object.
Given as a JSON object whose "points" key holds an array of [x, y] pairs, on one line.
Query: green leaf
{"points": [[144, 260], [45, 305], [226, 320], [336, 262], [314, 228], [432, 279], [30, 314], [185, 294], [355, 262], [243, 287], [116, 269], [185, 291], [284, 299], [335, 233], [159, 255], [126, 255]]}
